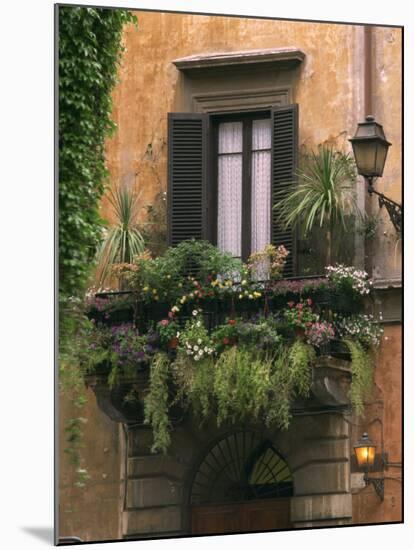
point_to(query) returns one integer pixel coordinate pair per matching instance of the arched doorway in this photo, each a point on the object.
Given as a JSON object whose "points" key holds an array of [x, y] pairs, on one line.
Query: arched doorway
{"points": [[242, 484]]}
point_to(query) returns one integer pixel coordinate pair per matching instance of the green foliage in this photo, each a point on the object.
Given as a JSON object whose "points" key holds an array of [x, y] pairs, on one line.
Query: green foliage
{"points": [[166, 277], [241, 384], [157, 403], [362, 375], [194, 383], [90, 51], [123, 241], [325, 194], [89, 55]]}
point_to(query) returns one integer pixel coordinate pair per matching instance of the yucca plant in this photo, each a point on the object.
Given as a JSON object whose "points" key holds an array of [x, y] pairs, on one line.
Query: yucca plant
{"points": [[325, 194], [123, 240]]}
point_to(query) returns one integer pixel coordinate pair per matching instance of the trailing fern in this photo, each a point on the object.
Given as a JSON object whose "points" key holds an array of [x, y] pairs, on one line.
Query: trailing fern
{"points": [[362, 375], [156, 404]]}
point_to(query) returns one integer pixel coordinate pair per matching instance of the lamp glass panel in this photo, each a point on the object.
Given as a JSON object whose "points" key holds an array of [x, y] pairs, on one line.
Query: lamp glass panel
{"points": [[365, 456], [365, 157], [382, 149]]}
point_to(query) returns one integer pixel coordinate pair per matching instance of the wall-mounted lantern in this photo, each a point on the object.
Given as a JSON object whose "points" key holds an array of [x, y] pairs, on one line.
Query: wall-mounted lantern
{"points": [[370, 150], [365, 456]]}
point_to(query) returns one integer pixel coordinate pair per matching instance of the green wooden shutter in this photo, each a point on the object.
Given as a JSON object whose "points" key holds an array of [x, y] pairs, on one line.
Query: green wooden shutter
{"points": [[284, 164], [187, 165]]}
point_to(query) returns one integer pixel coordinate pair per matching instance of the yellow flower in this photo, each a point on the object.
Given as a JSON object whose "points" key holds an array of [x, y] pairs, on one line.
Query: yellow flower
{"points": [[240, 296], [214, 283], [145, 289], [257, 294], [244, 282], [154, 291]]}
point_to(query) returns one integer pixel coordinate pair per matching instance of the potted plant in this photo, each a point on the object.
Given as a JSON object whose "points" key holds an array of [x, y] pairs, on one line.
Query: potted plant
{"points": [[325, 194], [300, 316], [123, 240]]}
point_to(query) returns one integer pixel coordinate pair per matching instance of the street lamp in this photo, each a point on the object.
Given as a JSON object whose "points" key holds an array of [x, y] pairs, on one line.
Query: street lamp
{"points": [[370, 150], [365, 456]]}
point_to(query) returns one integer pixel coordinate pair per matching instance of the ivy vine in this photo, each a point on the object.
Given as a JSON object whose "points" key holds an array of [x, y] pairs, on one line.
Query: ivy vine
{"points": [[90, 51]]}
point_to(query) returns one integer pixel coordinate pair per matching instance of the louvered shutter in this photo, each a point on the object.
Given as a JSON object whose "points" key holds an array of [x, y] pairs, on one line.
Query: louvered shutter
{"points": [[187, 165], [284, 164]]}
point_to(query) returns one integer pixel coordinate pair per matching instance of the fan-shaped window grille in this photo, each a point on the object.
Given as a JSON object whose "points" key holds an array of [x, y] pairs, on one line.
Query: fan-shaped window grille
{"points": [[242, 466]]}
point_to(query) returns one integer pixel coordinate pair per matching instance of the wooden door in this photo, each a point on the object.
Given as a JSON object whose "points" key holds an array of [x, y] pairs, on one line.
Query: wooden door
{"points": [[241, 517]]}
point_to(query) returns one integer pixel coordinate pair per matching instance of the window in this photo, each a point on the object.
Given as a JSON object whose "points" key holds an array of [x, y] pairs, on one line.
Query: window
{"points": [[223, 175], [243, 169], [239, 467]]}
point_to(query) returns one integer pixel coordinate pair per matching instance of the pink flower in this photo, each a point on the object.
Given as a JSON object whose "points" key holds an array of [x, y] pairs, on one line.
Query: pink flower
{"points": [[291, 304], [170, 314], [164, 322], [309, 302]]}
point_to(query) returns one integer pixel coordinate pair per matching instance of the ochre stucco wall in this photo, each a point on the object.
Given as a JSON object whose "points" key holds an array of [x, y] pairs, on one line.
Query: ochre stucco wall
{"points": [[91, 512], [366, 506], [330, 92]]}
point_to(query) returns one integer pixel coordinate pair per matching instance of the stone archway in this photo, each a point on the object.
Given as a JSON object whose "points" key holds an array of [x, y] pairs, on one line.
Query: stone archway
{"points": [[242, 484]]}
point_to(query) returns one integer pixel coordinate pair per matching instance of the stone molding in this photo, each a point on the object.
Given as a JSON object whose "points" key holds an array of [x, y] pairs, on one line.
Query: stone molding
{"points": [[240, 100], [291, 56]]}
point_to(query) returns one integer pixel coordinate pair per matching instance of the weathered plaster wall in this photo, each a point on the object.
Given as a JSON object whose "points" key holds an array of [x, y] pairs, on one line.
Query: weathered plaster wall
{"points": [[387, 101], [91, 512], [367, 507], [330, 92]]}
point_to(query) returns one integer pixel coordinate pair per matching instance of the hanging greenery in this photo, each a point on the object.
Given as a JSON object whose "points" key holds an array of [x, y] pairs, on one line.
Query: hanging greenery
{"points": [[239, 384], [90, 52], [362, 375]]}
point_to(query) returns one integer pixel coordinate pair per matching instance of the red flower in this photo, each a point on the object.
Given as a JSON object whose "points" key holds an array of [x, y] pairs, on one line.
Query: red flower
{"points": [[226, 341], [232, 322]]}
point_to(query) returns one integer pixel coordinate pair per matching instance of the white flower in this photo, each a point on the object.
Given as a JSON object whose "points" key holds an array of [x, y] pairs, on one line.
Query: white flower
{"points": [[189, 352], [178, 334], [195, 312], [174, 309], [206, 349], [199, 341], [196, 358], [200, 352], [196, 348], [198, 324]]}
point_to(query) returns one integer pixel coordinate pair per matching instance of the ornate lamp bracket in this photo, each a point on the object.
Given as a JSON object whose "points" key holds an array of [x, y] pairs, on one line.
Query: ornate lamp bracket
{"points": [[378, 484], [393, 208]]}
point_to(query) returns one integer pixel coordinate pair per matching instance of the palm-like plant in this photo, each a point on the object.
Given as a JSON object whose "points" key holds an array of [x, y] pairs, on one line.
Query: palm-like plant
{"points": [[123, 240], [325, 194]]}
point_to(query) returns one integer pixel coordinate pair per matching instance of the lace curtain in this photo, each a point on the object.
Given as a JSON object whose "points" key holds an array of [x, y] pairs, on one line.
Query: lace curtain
{"points": [[260, 184], [230, 148]]}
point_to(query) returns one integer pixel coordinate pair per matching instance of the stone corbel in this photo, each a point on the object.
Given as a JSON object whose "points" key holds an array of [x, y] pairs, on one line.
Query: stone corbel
{"points": [[331, 380]]}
